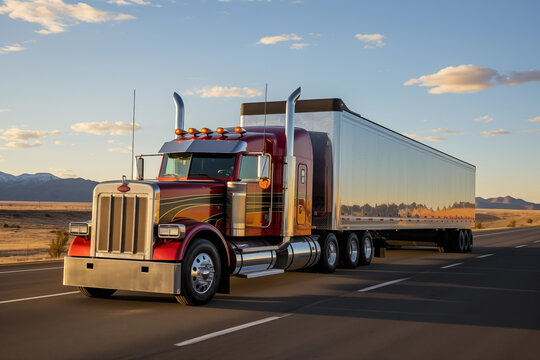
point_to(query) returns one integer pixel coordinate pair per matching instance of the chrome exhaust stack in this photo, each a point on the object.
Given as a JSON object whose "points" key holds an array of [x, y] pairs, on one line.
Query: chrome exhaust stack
{"points": [[179, 113], [289, 172]]}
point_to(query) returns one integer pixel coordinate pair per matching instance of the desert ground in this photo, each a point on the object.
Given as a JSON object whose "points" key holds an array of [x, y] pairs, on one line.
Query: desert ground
{"points": [[27, 228]]}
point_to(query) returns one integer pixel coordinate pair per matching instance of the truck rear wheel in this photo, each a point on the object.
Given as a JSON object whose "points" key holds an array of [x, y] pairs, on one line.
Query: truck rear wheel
{"points": [[350, 251], [463, 243], [469, 240], [201, 272], [329, 252], [96, 292], [366, 249]]}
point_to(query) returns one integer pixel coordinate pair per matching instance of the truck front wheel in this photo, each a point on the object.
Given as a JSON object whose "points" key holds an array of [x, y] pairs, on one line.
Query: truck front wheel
{"points": [[201, 271], [96, 292]]}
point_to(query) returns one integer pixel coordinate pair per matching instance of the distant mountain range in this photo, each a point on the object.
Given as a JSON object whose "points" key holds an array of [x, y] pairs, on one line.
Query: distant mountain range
{"points": [[506, 202], [44, 187]]}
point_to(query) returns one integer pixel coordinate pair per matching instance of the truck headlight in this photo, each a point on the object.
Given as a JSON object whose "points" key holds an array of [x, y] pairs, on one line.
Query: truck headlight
{"points": [[79, 228], [171, 231]]}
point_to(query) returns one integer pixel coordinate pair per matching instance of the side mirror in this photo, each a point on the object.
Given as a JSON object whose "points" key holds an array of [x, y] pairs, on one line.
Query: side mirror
{"points": [[140, 168], [263, 166]]}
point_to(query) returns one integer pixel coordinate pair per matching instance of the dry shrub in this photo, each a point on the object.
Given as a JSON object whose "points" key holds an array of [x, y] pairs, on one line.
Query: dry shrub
{"points": [[58, 245], [512, 223], [529, 221], [478, 225]]}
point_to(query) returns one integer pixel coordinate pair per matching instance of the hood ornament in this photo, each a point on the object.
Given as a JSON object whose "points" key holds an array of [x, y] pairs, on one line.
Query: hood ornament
{"points": [[123, 187]]}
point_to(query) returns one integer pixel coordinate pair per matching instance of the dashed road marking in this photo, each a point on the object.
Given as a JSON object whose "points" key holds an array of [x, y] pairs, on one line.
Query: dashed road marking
{"points": [[383, 284], [451, 265], [38, 297], [229, 330], [484, 256], [519, 246]]}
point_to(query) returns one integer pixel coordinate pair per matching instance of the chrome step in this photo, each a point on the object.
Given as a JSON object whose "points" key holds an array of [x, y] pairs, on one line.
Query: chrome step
{"points": [[261, 273]]}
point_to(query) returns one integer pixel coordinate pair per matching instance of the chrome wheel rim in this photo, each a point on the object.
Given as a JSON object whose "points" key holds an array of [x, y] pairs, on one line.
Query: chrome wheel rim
{"points": [[332, 253], [202, 273], [367, 248], [353, 250]]}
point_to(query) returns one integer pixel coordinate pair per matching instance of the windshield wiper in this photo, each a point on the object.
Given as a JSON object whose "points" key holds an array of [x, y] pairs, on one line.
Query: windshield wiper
{"points": [[199, 175]]}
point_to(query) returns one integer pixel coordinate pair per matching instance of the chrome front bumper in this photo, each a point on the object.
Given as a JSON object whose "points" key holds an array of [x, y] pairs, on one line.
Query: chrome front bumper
{"points": [[133, 275]]}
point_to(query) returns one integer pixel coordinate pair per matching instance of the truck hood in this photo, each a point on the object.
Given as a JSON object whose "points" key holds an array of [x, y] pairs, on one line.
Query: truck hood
{"points": [[200, 200]]}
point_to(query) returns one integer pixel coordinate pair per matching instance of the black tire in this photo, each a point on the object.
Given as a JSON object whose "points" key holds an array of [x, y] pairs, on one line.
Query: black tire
{"points": [[366, 249], [201, 273], [469, 240], [350, 251], [329, 252], [462, 243], [96, 292]]}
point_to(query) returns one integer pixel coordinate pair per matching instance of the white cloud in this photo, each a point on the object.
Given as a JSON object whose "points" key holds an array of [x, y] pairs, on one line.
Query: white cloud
{"points": [[485, 118], [4, 110], [11, 48], [57, 142], [1, 159], [16, 134], [220, 91], [494, 132], [132, 2], [446, 132], [425, 138], [63, 173], [123, 150], [102, 127], [534, 119], [55, 16], [110, 141], [532, 131], [224, 0], [21, 144], [371, 40], [298, 46], [271, 40], [470, 78]]}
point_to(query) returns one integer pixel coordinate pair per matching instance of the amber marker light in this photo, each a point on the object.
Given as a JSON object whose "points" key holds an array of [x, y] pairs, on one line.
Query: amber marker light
{"points": [[180, 132], [193, 131], [207, 131], [240, 130], [222, 131]]}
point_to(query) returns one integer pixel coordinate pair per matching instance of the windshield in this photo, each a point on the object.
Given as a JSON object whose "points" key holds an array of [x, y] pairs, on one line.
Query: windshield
{"points": [[183, 165]]}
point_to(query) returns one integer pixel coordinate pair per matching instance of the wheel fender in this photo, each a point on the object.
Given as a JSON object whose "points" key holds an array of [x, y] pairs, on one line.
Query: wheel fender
{"points": [[80, 246]]}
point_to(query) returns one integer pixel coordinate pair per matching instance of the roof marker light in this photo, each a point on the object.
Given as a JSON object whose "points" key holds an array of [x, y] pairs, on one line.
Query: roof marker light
{"points": [[193, 131], [240, 130], [222, 131], [207, 131], [180, 132]]}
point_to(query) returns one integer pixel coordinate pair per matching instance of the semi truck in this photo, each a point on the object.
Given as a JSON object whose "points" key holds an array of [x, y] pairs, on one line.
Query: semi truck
{"points": [[298, 184]]}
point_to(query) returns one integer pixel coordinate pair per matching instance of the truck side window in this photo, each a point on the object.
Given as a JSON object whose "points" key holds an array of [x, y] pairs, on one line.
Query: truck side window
{"points": [[248, 167]]}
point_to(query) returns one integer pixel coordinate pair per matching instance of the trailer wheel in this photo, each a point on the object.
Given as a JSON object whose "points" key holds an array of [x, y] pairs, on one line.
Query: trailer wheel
{"points": [[462, 241], [329, 252], [469, 240], [350, 251], [201, 271], [96, 292], [366, 249]]}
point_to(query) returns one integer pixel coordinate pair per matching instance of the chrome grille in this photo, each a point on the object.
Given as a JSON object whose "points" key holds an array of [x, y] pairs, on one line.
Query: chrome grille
{"points": [[122, 225]]}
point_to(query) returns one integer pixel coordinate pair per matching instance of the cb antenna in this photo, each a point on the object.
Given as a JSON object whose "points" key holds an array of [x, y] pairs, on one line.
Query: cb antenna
{"points": [[133, 136]]}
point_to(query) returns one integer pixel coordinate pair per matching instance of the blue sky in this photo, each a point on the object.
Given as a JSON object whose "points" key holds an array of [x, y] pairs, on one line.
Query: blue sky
{"points": [[461, 76]]}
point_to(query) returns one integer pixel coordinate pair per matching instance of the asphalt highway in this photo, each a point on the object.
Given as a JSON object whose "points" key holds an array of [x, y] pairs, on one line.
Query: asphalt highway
{"points": [[414, 303]]}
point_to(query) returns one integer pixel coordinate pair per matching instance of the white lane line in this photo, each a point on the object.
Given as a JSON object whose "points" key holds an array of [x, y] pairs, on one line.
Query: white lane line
{"points": [[501, 232], [537, 241], [484, 256], [519, 246], [229, 330], [383, 284], [38, 297], [18, 271], [451, 265]]}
